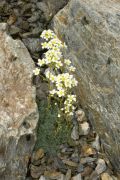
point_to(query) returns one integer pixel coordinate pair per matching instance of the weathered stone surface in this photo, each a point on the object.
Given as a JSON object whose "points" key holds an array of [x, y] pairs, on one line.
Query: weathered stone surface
{"points": [[18, 110], [91, 29]]}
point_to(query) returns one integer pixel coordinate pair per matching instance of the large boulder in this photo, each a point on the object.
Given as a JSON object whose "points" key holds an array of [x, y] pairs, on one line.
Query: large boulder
{"points": [[18, 109], [91, 29]]}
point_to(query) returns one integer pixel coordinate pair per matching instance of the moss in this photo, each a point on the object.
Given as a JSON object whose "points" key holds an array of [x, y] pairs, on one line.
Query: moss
{"points": [[47, 137]]}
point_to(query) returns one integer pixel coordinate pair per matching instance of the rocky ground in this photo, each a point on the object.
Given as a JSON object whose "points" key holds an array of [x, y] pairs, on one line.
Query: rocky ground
{"points": [[81, 158]]}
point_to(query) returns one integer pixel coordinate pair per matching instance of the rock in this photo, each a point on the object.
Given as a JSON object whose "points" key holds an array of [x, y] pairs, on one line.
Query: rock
{"points": [[75, 134], [42, 178], [87, 160], [44, 8], [60, 165], [87, 150], [75, 159], [80, 114], [36, 171], [34, 17], [12, 19], [37, 155], [41, 90], [94, 176], [70, 163], [77, 177], [87, 171], [24, 25], [106, 176], [62, 177], [72, 142], [76, 155], [92, 36], [27, 7], [33, 44], [51, 7], [18, 109], [68, 175], [67, 151], [80, 168], [84, 128], [116, 178], [52, 174], [101, 166], [37, 31], [96, 143], [14, 30]]}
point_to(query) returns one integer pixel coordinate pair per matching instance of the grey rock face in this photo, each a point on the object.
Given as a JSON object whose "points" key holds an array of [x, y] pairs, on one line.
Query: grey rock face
{"points": [[91, 29], [18, 110]]}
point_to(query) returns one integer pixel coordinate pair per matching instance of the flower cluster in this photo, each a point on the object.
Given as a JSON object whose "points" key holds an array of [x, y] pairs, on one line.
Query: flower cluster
{"points": [[58, 72]]}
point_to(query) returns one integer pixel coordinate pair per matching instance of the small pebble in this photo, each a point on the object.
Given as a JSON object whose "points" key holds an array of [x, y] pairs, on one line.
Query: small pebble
{"points": [[84, 128], [80, 168], [96, 143], [68, 175], [62, 177], [37, 155], [80, 114], [42, 178], [52, 174], [101, 166], [75, 133], [70, 163], [106, 176], [87, 160]]}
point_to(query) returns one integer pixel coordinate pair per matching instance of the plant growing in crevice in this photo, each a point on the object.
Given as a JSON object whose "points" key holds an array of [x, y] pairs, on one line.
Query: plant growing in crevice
{"points": [[58, 72]]}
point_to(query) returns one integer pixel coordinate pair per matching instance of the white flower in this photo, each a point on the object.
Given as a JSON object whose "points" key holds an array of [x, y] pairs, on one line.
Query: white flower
{"points": [[67, 62], [41, 62], [59, 115], [59, 86], [52, 78], [52, 92], [72, 68], [61, 82], [47, 73], [71, 98], [53, 56], [59, 64], [55, 43], [48, 34], [44, 45], [64, 45], [36, 71], [61, 93], [70, 114], [74, 82]]}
